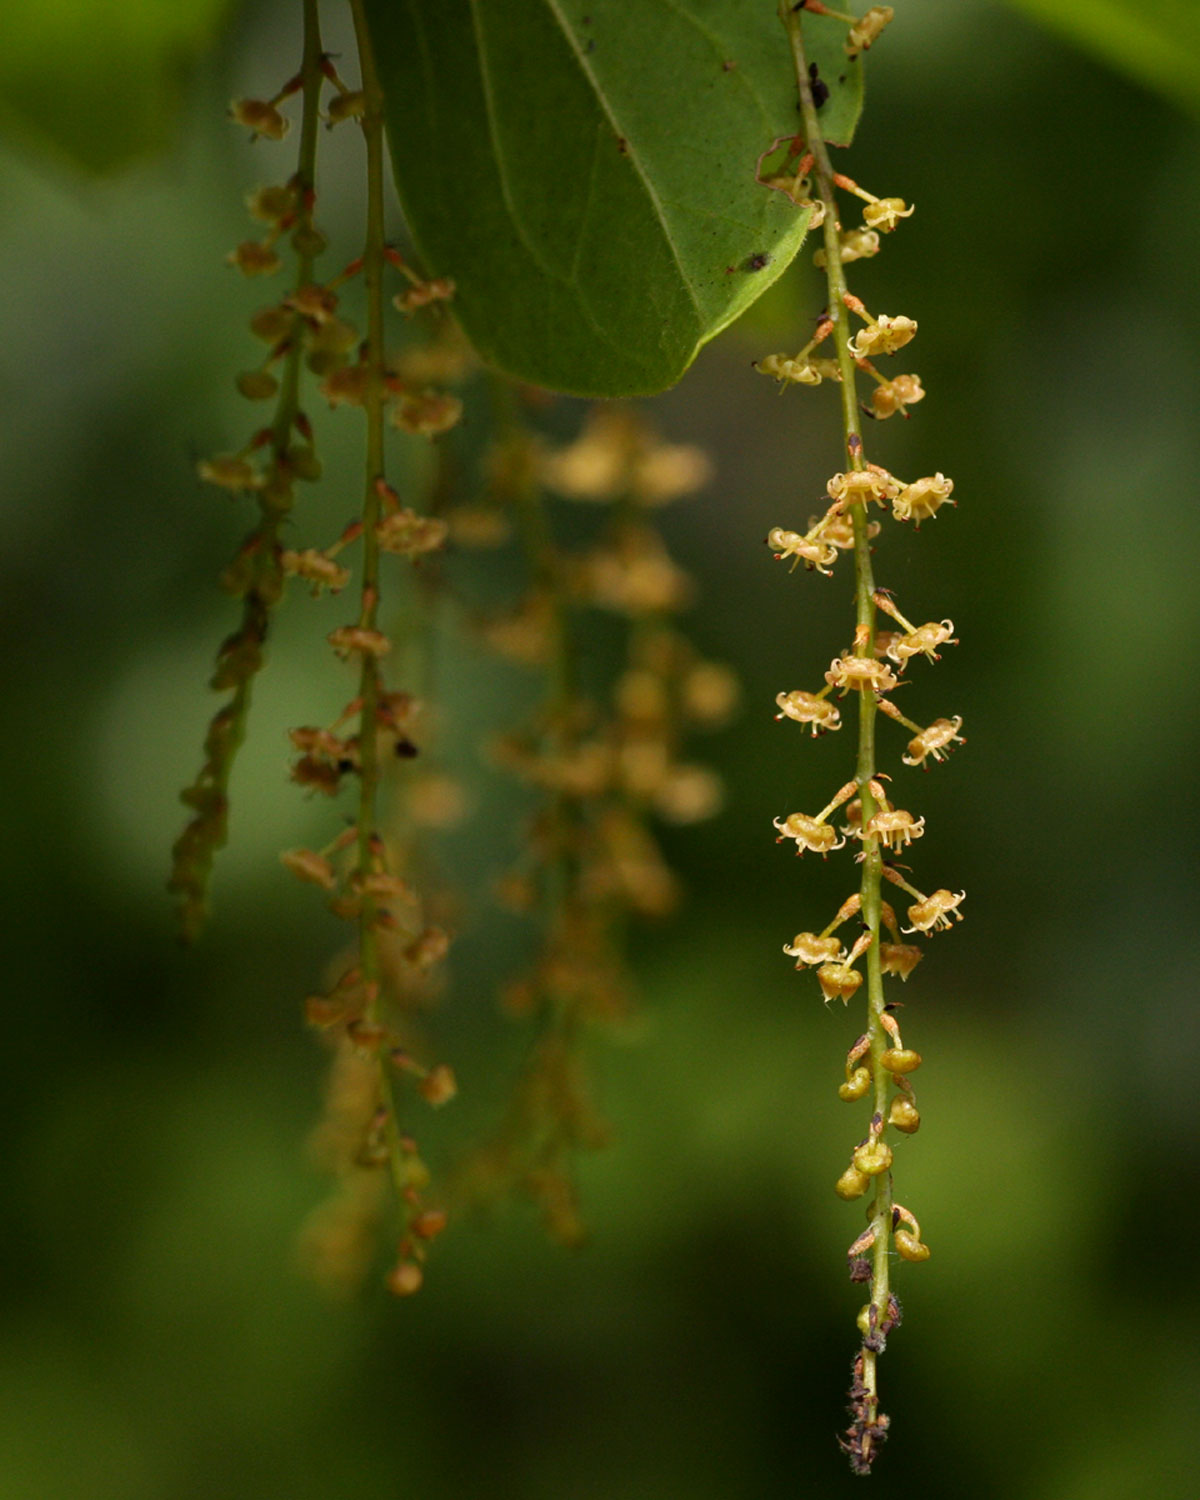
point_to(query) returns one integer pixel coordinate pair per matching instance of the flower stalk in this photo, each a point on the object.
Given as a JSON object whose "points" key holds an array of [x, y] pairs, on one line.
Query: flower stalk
{"points": [[878, 1064]]}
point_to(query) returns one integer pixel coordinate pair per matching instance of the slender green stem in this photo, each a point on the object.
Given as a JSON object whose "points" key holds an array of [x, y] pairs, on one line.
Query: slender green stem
{"points": [[864, 587]]}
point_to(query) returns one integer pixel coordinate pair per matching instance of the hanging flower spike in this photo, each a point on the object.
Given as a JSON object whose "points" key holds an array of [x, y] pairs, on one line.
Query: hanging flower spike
{"points": [[879, 1065]]}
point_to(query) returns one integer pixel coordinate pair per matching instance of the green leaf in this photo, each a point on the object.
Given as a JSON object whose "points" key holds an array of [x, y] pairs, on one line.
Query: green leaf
{"points": [[1155, 41], [97, 81], [585, 171]]}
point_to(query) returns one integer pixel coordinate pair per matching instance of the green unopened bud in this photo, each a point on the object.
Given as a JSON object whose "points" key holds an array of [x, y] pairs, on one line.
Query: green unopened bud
{"points": [[901, 1060], [855, 1086], [909, 1247], [904, 1115], [873, 1158], [851, 1184], [257, 385]]}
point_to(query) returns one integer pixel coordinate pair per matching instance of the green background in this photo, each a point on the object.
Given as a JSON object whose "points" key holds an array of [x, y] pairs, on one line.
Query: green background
{"points": [[156, 1343]]}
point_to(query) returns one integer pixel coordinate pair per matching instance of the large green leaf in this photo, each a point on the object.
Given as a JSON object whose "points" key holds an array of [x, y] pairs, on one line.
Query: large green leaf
{"points": [[1155, 41], [97, 81], [585, 171]]}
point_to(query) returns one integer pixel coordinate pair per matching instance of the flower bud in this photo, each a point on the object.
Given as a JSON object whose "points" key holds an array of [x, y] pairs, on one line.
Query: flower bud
{"points": [[254, 259], [257, 385], [851, 1184], [899, 958], [308, 241], [838, 982], [855, 1086], [428, 1225], [347, 106], [272, 324], [901, 1060], [261, 117], [873, 1157], [909, 1247], [438, 1086], [867, 28], [904, 1115], [270, 204], [228, 472], [404, 1279], [308, 865]]}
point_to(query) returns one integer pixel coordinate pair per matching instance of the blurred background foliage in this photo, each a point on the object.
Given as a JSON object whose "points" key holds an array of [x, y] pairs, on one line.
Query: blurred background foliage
{"points": [[157, 1343]]}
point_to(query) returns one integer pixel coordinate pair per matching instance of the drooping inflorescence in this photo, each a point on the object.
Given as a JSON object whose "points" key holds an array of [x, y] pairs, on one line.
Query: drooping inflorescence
{"points": [[602, 757], [366, 1011], [865, 941]]}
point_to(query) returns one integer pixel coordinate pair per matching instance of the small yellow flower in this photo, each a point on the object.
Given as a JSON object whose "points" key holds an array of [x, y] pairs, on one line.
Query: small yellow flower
{"points": [[894, 828], [922, 499], [807, 708], [809, 833], [923, 641], [886, 213], [307, 865], [809, 949], [883, 335], [860, 674], [316, 568], [863, 486], [253, 258], [790, 371], [934, 741], [261, 117], [934, 913], [422, 293], [838, 982], [348, 639], [347, 106], [896, 395], [410, 534], [867, 29], [271, 204], [427, 414], [813, 553], [854, 244], [899, 958], [229, 472]]}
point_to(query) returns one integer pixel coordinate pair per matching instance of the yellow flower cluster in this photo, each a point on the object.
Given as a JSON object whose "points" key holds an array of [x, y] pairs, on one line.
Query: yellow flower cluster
{"points": [[878, 1067]]}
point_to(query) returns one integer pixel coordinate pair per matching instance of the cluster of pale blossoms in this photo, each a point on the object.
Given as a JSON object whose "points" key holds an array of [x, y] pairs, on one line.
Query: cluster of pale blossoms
{"points": [[882, 944]]}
